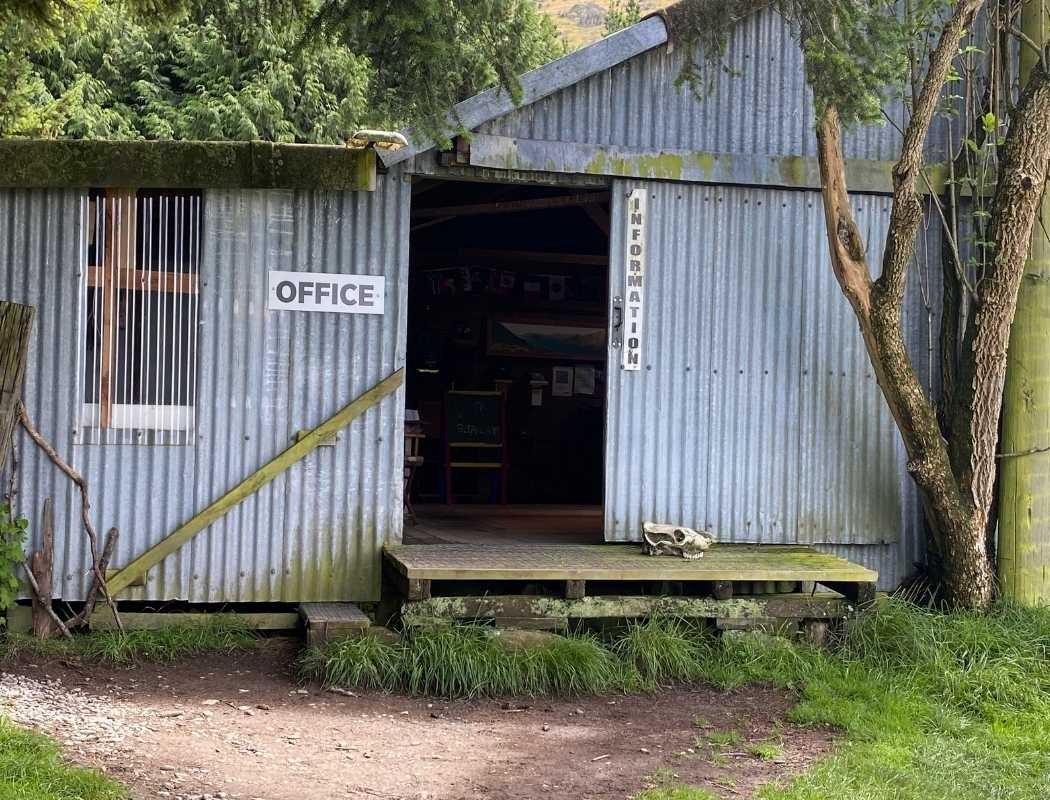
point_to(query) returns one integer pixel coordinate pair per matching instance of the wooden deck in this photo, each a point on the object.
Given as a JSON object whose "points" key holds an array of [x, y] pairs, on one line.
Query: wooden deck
{"points": [[417, 567], [621, 562]]}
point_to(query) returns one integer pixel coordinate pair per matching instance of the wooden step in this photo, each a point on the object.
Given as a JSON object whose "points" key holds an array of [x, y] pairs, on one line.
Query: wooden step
{"points": [[327, 621]]}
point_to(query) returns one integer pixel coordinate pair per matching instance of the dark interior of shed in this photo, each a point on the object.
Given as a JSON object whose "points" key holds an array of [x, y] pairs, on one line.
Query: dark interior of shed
{"points": [[508, 298]]}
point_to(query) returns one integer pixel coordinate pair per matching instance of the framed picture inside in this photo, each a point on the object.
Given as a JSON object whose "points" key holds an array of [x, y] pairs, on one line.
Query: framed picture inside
{"points": [[542, 338]]}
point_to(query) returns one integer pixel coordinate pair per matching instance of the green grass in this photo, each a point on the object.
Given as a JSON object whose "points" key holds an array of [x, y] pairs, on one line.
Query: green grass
{"points": [[30, 769], [767, 751], [221, 633], [470, 661], [724, 738], [934, 706], [676, 793]]}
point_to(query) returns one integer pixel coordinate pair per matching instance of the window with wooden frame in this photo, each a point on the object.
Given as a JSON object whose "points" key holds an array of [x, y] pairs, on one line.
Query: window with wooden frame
{"points": [[141, 256]]}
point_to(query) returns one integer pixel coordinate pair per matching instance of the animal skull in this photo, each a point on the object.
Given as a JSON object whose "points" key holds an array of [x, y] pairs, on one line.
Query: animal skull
{"points": [[674, 540]]}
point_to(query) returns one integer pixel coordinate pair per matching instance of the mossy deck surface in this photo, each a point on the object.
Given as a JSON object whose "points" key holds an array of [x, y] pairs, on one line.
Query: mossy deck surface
{"points": [[620, 562]]}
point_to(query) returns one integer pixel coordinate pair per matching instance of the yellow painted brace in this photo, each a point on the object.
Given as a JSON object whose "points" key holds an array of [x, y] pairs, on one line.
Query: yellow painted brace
{"points": [[262, 476]]}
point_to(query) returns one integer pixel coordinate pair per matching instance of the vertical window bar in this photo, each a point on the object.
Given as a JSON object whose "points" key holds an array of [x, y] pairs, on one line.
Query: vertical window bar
{"points": [[81, 389], [119, 257], [125, 305], [110, 301], [147, 302], [176, 373], [97, 298], [195, 299], [162, 336]]}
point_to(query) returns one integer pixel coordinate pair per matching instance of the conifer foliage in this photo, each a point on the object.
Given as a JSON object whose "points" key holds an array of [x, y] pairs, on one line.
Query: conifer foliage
{"points": [[280, 70]]}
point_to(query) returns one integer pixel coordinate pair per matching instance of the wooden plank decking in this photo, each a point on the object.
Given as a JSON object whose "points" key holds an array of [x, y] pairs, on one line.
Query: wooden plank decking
{"points": [[620, 562]]}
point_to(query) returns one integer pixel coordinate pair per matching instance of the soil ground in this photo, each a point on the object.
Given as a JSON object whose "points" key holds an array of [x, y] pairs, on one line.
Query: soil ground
{"points": [[242, 726]]}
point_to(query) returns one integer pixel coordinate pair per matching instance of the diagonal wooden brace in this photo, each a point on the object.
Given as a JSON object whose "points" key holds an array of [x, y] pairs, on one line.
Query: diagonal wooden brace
{"points": [[125, 577]]}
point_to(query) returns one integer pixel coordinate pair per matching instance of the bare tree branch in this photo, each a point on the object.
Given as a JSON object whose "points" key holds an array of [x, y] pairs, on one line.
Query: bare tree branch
{"points": [[906, 213], [85, 514]]}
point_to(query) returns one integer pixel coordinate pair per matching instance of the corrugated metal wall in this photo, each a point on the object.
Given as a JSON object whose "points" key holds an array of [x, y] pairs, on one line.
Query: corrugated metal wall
{"points": [[755, 413], [766, 108], [315, 532]]}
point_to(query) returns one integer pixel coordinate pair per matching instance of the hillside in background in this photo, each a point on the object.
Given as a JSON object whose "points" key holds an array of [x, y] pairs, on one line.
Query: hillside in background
{"points": [[583, 21]]}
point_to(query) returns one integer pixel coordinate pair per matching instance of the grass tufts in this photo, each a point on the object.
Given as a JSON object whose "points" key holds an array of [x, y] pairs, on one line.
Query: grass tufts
{"points": [[677, 792], [220, 633], [724, 738], [469, 661], [767, 751], [664, 650], [364, 662]]}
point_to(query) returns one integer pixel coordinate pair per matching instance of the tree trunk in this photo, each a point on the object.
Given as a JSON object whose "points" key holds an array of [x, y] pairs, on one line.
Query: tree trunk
{"points": [[956, 478], [877, 306], [1024, 510], [16, 325]]}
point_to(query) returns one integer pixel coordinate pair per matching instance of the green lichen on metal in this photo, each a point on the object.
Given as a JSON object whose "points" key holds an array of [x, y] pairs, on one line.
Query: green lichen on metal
{"points": [[793, 170], [339, 563], [705, 163], [664, 166], [597, 164], [28, 163]]}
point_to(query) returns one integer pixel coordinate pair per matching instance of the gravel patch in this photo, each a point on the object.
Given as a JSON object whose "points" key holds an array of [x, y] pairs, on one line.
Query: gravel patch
{"points": [[86, 724]]}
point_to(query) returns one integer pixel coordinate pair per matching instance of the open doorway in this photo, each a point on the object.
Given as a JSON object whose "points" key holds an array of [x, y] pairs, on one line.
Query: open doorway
{"points": [[507, 362]]}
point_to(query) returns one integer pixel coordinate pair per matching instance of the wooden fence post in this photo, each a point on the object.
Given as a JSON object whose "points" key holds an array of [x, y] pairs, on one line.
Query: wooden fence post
{"points": [[1024, 472], [16, 325]]}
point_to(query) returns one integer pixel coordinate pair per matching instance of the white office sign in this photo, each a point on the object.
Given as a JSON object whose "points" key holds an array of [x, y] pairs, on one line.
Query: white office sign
{"points": [[634, 280], [320, 291]]}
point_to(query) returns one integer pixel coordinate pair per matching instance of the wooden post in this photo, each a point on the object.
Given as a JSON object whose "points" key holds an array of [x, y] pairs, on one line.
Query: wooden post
{"points": [[575, 590], [16, 325], [42, 564], [1024, 477], [722, 590]]}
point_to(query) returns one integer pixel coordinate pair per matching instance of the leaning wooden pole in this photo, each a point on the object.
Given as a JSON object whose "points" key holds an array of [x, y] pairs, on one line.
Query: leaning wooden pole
{"points": [[1024, 488], [16, 324]]}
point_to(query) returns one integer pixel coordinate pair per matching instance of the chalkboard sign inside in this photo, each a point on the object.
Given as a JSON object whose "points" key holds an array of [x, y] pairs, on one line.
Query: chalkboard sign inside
{"points": [[474, 418]]}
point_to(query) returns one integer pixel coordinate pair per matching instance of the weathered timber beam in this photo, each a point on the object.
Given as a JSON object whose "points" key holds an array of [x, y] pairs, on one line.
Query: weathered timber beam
{"points": [[102, 620], [512, 206], [793, 606], [262, 476], [861, 594], [741, 169], [82, 163], [508, 258], [142, 280], [599, 215]]}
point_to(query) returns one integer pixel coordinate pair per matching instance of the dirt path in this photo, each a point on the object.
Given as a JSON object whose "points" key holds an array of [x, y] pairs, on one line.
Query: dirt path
{"points": [[242, 727]]}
